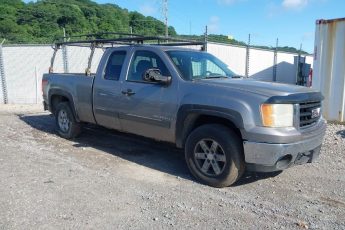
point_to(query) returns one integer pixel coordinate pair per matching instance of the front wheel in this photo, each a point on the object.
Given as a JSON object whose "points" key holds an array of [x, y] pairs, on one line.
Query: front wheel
{"points": [[67, 126], [214, 155]]}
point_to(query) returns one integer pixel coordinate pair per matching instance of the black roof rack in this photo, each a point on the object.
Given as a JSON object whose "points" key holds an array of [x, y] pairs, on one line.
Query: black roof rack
{"points": [[98, 41], [123, 39]]}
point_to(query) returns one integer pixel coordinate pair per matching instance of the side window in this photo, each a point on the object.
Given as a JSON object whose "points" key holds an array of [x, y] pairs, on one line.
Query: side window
{"points": [[114, 66], [142, 61]]}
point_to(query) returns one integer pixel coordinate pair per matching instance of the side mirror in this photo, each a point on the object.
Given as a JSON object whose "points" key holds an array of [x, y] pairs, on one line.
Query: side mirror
{"points": [[155, 75]]}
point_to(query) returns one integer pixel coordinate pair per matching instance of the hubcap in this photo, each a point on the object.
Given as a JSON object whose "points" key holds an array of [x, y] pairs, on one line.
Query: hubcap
{"points": [[209, 157], [63, 121]]}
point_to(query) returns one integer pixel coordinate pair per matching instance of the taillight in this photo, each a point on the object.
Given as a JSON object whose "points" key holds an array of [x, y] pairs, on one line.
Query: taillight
{"points": [[44, 83]]}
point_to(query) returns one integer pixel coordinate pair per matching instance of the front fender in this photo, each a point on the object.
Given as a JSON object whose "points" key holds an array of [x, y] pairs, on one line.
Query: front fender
{"points": [[188, 113]]}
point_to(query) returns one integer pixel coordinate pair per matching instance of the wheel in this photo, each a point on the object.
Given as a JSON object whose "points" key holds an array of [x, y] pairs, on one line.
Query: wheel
{"points": [[214, 155], [67, 126]]}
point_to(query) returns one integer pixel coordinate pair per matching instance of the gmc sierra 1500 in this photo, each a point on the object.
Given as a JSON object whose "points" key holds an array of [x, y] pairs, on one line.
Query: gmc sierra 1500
{"points": [[226, 124]]}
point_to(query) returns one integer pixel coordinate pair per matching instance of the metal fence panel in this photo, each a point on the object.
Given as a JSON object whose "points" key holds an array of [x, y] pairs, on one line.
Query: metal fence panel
{"points": [[286, 69], [78, 58], [233, 56], [1, 92], [261, 64], [24, 67]]}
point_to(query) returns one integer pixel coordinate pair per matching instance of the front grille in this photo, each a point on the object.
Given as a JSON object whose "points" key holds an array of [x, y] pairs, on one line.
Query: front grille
{"points": [[306, 113]]}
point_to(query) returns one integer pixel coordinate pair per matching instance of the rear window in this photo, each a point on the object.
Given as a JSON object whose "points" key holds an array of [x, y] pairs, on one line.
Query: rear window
{"points": [[114, 66]]}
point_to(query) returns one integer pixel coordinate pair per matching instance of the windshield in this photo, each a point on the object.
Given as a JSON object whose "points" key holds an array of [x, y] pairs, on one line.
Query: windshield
{"points": [[194, 65]]}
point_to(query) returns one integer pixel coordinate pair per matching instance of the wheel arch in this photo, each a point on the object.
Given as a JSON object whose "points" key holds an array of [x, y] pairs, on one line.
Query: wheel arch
{"points": [[56, 96], [191, 116]]}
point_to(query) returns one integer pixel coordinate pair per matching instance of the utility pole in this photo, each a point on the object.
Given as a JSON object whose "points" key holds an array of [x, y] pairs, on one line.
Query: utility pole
{"points": [[165, 12]]}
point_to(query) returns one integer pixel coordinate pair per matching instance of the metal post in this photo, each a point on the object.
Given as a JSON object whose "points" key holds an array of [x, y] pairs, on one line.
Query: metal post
{"points": [[298, 73], [275, 62], [165, 9], [64, 54], [247, 57], [36, 84], [2, 75], [205, 39]]}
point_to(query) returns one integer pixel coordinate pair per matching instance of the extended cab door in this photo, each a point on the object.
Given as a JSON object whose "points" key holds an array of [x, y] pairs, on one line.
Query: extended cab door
{"points": [[107, 96], [148, 108]]}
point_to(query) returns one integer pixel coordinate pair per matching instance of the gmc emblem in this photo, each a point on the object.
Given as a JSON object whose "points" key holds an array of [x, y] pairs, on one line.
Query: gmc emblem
{"points": [[315, 113]]}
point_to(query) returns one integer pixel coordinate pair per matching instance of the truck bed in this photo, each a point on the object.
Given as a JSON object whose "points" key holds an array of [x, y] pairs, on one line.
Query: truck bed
{"points": [[80, 88]]}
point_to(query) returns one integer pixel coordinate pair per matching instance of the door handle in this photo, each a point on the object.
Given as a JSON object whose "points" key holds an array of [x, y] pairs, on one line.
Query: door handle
{"points": [[128, 92]]}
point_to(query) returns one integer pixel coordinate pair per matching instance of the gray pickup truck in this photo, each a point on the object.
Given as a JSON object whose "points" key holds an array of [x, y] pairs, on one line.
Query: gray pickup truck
{"points": [[225, 123]]}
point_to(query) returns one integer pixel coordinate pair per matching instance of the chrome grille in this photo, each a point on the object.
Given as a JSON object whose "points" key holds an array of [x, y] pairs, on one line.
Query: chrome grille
{"points": [[306, 113]]}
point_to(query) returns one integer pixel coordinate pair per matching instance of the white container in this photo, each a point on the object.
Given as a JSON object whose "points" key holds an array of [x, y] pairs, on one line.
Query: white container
{"points": [[329, 67]]}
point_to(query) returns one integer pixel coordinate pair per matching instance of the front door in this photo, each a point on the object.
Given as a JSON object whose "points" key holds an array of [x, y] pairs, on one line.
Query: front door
{"points": [[148, 108]]}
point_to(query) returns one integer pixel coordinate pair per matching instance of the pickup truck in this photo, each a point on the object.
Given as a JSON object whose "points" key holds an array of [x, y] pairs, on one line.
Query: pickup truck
{"points": [[226, 124]]}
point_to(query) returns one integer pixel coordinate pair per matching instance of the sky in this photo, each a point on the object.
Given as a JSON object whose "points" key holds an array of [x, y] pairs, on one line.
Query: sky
{"points": [[291, 21]]}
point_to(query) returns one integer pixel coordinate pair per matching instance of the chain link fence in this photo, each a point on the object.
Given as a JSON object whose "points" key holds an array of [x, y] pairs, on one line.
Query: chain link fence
{"points": [[23, 66]]}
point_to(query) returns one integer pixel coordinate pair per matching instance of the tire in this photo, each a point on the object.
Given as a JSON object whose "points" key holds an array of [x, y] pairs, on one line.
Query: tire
{"points": [[214, 155], [66, 124]]}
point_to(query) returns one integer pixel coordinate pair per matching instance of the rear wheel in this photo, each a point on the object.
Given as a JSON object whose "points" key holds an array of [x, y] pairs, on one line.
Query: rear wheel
{"points": [[214, 155], [66, 124]]}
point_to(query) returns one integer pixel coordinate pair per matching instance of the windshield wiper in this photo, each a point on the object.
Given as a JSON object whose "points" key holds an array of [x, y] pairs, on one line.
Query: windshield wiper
{"points": [[215, 76], [237, 76]]}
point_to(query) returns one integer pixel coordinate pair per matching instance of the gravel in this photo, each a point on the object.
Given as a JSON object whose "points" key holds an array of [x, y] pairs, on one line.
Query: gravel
{"points": [[110, 180]]}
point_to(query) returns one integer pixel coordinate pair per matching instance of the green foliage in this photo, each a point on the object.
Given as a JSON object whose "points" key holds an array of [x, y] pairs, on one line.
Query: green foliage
{"points": [[42, 21]]}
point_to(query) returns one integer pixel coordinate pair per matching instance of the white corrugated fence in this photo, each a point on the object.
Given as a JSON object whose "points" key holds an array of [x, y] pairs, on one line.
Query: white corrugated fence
{"points": [[24, 66]]}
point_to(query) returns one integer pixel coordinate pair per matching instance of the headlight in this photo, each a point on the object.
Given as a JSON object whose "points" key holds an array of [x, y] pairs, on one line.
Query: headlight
{"points": [[277, 115]]}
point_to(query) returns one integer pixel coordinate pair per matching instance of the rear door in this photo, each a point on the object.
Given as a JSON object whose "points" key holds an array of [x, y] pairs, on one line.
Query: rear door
{"points": [[148, 108], [107, 87]]}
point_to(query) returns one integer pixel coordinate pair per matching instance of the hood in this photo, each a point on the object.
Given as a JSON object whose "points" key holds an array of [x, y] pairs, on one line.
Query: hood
{"points": [[258, 87]]}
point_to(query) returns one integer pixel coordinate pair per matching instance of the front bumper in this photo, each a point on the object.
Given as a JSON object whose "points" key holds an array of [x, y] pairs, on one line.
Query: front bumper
{"points": [[268, 157]]}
